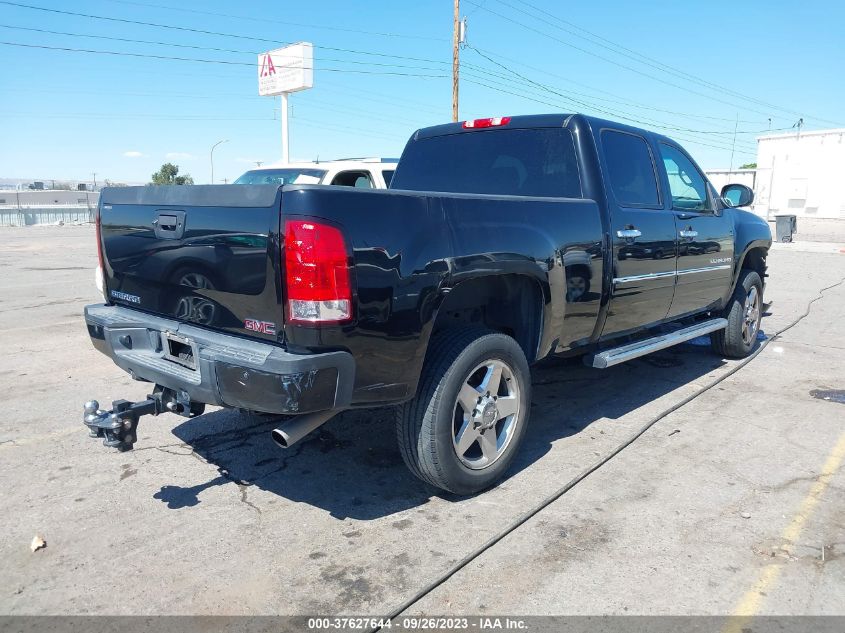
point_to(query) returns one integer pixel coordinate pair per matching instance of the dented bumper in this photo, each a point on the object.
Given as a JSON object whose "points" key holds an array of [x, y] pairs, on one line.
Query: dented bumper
{"points": [[218, 368]]}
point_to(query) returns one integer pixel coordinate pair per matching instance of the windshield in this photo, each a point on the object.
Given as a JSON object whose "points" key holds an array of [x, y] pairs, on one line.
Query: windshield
{"points": [[287, 176]]}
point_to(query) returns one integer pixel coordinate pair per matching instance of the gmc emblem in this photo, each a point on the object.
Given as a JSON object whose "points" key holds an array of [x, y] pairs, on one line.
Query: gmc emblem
{"points": [[263, 327]]}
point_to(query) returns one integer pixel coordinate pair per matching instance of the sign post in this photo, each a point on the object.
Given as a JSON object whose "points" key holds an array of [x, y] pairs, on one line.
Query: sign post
{"points": [[282, 71]]}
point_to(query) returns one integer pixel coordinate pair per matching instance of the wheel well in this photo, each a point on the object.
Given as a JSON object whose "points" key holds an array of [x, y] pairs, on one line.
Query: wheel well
{"points": [[511, 304], [755, 259]]}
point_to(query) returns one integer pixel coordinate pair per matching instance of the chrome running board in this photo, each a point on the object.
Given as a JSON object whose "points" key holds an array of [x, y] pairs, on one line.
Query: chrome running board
{"points": [[616, 355]]}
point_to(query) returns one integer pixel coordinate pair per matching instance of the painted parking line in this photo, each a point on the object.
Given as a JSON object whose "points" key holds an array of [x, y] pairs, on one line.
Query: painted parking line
{"points": [[751, 602]]}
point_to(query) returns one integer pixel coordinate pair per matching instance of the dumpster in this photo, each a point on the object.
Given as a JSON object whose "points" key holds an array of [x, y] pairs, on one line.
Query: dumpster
{"points": [[785, 226]]}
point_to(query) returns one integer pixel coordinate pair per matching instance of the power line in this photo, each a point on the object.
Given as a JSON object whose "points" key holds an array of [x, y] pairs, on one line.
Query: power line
{"points": [[617, 100], [202, 48], [619, 49], [366, 95], [207, 61], [522, 95], [193, 117], [349, 130], [709, 142], [206, 32], [630, 104], [642, 121], [584, 104], [264, 20], [377, 97], [615, 63], [127, 116]]}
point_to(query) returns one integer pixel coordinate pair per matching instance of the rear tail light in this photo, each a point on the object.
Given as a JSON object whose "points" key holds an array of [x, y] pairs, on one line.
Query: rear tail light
{"points": [[100, 274], [317, 274], [492, 122]]}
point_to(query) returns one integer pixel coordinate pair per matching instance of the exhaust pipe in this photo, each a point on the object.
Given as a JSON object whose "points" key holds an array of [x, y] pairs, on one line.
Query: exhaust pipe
{"points": [[294, 430]]}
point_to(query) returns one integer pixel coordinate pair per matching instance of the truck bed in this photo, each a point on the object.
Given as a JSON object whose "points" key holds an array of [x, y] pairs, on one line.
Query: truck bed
{"points": [[211, 256]]}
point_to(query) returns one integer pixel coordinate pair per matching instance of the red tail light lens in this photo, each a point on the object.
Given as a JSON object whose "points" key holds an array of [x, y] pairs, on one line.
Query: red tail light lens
{"points": [[317, 274], [491, 122]]}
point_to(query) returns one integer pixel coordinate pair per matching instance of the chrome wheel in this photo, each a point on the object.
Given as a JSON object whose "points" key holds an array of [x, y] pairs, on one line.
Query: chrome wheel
{"points": [[751, 317], [194, 308], [485, 414], [196, 280]]}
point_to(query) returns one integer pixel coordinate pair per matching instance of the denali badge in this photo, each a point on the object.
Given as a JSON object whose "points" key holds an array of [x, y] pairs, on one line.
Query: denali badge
{"points": [[125, 296], [264, 327], [721, 260]]}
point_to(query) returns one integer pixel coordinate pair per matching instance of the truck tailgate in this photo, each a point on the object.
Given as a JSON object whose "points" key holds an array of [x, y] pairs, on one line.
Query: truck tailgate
{"points": [[205, 254]]}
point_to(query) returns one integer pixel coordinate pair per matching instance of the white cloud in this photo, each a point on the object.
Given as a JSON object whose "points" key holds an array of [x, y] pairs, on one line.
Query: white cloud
{"points": [[179, 156], [133, 154]]}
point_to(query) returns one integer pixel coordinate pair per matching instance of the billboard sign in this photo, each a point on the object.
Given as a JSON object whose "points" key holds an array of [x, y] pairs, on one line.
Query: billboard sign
{"points": [[287, 69]]}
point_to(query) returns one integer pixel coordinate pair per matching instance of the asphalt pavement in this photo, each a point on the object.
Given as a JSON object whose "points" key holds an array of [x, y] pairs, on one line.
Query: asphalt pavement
{"points": [[734, 503]]}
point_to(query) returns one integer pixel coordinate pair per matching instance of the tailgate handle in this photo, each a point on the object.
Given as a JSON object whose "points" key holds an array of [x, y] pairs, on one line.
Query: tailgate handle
{"points": [[169, 225]]}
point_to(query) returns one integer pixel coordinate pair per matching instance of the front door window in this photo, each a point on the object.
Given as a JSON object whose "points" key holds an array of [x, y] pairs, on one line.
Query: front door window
{"points": [[686, 184]]}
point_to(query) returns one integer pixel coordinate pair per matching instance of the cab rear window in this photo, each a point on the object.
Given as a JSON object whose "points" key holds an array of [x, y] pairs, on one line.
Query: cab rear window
{"points": [[537, 162]]}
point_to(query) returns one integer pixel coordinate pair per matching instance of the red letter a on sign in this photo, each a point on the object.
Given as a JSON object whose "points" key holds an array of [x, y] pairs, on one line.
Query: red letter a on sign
{"points": [[267, 67]]}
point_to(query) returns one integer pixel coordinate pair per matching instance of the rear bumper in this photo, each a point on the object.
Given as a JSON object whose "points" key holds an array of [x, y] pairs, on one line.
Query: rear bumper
{"points": [[230, 371]]}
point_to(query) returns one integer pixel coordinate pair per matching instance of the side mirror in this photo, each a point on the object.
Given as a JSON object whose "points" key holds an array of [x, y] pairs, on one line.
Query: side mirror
{"points": [[737, 195]]}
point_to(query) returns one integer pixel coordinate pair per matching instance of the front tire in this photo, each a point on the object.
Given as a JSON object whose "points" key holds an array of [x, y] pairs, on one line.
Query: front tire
{"points": [[743, 313], [466, 424]]}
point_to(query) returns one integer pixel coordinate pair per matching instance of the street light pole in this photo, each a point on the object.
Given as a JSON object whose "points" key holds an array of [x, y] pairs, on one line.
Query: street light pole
{"points": [[211, 157]]}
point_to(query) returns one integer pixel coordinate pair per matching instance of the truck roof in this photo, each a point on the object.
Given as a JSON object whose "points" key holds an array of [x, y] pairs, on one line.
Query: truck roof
{"points": [[326, 164], [534, 121]]}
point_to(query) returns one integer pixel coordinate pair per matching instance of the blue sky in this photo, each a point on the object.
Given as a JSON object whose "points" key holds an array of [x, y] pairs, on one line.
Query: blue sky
{"points": [[686, 69]]}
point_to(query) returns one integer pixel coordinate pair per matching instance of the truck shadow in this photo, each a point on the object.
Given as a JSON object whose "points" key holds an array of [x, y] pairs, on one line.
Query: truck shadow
{"points": [[351, 466]]}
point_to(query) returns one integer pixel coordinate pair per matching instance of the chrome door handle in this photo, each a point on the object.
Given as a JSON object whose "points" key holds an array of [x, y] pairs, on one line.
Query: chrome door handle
{"points": [[628, 234], [688, 233]]}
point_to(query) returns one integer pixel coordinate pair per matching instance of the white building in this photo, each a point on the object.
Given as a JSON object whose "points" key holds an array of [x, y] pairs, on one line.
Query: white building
{"points": [[801, 173], [721, 177]]}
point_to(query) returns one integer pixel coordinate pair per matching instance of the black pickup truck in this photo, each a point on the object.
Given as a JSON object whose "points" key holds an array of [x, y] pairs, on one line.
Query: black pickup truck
{"points": [[500, 242]]}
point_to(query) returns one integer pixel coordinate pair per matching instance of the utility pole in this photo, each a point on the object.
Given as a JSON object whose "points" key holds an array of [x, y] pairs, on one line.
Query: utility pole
{"points": [[94, 173], [456, 60]]}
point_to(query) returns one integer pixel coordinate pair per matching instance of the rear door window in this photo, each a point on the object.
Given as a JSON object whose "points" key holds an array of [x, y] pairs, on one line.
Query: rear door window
{"points": [[631, 173], [516, 162]]}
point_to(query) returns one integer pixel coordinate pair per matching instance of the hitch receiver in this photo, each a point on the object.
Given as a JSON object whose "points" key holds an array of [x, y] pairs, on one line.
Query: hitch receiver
{"points": [[118, 427]]}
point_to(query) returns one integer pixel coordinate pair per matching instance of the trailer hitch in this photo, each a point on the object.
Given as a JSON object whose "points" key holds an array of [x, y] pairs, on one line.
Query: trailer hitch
{"points": [[118, 427]]}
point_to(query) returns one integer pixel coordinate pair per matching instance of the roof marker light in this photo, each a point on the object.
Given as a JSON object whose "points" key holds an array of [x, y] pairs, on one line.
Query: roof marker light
{"points": [[495, 121]]}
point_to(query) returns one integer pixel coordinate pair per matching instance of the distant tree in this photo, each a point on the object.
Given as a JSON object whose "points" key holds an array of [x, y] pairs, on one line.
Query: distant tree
{"points": [[169, 175], [748, 166]]}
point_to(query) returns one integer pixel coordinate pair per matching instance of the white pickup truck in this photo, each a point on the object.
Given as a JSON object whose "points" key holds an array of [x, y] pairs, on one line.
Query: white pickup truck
{"points": [[362, 173]]}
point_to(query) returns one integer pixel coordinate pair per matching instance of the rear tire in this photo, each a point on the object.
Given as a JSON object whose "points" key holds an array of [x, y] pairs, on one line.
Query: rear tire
{"points": [[743, 313], [466, 424]]}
